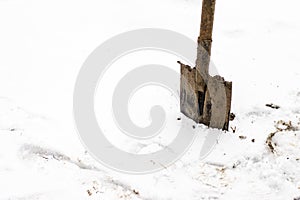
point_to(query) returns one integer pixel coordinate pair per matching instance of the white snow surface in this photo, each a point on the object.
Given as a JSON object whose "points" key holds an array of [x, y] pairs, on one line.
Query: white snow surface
{"points": [[43, 45]]}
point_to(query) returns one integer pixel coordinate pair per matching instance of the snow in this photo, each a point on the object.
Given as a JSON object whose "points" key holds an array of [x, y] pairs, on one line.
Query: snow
{"points": [[43, 45]]}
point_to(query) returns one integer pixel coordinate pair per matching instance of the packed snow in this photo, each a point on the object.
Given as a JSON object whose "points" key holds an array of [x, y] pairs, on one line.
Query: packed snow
{"points": [[43, 45]]}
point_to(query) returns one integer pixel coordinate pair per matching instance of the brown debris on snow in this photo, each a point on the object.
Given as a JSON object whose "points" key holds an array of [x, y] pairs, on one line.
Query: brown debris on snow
{"points": [[271, 105]]}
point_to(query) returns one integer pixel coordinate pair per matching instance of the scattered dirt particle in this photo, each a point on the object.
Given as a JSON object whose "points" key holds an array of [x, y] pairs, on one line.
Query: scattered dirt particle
{"points": [[285, 126], [12, 129], [242, 137], [231, 116], [194, 126], [233, 129], [270, 143], [135, 192], [89, 192], [253, 140], [178, 118], [273, 106]]}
